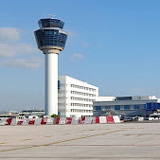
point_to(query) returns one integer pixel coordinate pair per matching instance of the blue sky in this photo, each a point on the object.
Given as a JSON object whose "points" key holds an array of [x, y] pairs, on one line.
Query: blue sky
{"points": [[113, 44]]}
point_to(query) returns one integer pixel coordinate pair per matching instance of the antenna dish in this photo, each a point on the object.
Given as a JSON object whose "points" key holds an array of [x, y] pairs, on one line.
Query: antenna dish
{"points": [[51, 15]]}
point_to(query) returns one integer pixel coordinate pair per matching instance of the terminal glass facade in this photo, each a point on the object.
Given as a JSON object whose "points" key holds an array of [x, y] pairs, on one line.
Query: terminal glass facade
{"points": [[129, 110], [127, 107], [136, 107], [117, 107]]}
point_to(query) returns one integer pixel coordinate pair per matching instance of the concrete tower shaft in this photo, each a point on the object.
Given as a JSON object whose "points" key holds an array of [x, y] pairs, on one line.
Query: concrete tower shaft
{"points": [[51, 39]]}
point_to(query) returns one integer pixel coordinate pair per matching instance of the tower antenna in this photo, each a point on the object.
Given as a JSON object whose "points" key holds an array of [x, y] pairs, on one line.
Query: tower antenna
{"points": [[52, 15]]}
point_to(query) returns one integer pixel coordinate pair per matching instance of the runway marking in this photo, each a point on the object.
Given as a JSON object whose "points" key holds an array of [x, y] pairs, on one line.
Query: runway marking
{"points": [[2, 143], [88, 145], [88, 136], [86, 157], [63, 141], [48, 136], [26, 139]]}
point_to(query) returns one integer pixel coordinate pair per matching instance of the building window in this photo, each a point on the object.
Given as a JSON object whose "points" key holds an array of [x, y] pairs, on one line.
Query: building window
{"points": [[116, 107], [59, 84], [98, 108], [136, 107], [127, 107]]}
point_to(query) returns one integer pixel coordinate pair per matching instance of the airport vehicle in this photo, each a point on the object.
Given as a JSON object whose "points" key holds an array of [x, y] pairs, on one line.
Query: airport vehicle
{"points": [[154, 116]]}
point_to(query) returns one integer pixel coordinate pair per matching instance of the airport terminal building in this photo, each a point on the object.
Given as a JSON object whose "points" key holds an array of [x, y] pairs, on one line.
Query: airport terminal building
{"points": [[126, 106], [75, 97]]}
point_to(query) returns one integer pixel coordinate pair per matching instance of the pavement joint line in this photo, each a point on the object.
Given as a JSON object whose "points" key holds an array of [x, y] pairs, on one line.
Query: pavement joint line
{"points": [[58, 142]]}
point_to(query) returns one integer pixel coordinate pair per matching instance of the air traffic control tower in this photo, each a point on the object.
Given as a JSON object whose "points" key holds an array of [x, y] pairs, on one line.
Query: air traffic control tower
{"points": [[51, 39]]}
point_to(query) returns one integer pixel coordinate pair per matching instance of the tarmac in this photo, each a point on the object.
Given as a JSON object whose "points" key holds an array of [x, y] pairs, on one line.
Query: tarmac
{"points": [[126, 141]]}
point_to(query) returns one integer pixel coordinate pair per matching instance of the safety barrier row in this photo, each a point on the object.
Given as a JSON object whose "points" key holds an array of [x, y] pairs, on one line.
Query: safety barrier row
{"points": [[60, 121]]}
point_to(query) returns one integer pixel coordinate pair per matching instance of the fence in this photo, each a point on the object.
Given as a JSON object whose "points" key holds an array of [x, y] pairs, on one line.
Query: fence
{"points": [[60, 121]]}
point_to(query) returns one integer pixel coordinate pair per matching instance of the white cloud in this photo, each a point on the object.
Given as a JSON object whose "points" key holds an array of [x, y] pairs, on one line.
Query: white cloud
{"points": [[10, 44], [31, 63], [77, 56], [11, 47], [9, 34], [10, 50]]}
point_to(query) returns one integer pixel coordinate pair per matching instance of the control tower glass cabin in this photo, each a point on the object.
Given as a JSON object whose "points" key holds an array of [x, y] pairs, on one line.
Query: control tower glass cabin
{"points": [[51, 39]]}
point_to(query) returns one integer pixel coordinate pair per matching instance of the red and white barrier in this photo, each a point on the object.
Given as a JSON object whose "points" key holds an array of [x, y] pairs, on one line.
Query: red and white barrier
{"points": [[60, 121], [107, 119], [8, 121], [97, 120], [82, 120], [116, 119], [103, 119], [56, 120], [110, 119], [75, 120], [3, 121], [89, 120], [68, 120], [50, 121]]}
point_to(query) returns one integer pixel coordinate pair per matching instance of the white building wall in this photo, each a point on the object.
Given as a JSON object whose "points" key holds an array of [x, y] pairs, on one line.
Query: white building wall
{"points": [[76, 97]]}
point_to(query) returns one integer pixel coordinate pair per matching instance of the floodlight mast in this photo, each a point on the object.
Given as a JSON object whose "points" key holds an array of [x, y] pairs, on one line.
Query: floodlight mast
{"points": [[51, 39]]}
